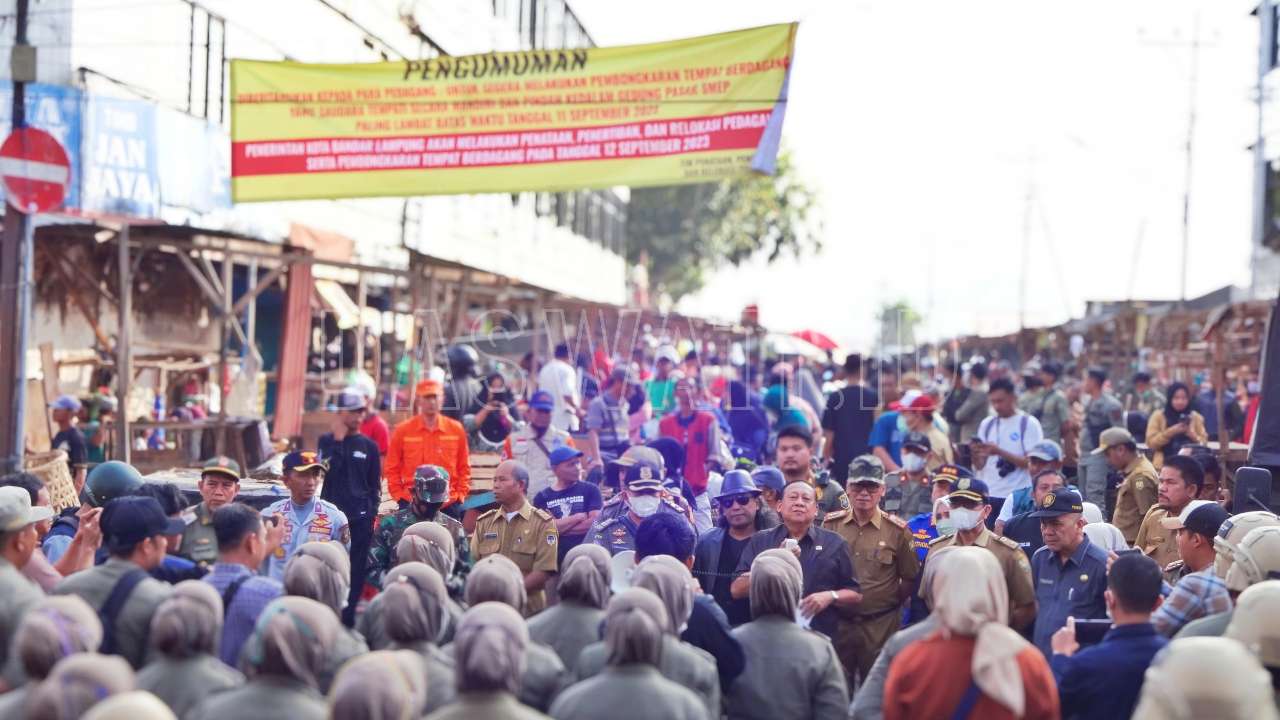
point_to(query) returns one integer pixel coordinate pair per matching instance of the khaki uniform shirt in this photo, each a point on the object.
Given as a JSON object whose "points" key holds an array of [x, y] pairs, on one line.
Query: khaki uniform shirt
{"points": [[1135, 496], [628, 686], [1154, 541], [199, 541], [17, 596], [790, 673], [683, 664], [441, 675], [1013, 562], [529, 539], [882, 555], [133, 624], [182, 683]]}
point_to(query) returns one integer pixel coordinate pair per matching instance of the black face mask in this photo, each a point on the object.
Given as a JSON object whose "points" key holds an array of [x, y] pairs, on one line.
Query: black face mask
{"points": [[426, 510]]}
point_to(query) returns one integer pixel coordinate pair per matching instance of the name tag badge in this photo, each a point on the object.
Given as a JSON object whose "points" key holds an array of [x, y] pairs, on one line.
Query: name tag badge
{"points": [[490, 536], [1046, 581]]}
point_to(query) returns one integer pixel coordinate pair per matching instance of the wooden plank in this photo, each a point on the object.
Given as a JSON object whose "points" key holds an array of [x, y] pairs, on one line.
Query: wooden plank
{"points": [[49, 371]]}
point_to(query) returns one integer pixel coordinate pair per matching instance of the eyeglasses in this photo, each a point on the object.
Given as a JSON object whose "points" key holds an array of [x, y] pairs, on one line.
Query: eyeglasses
{"points": [[736, 500]]}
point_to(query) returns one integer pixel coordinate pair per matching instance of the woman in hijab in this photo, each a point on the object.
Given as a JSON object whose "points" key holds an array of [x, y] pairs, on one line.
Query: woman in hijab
{"points": [[424, 542], [283, 659], [497, 579], [973, 647], [58, 626], [382, 685], [790, 672], [1206, 677], [76, 684], [490, 649], [635, 626], [682, 663], [184, 634], [132, 705], [413, 616], [1174, 426], [574, 622], [321, 571]]}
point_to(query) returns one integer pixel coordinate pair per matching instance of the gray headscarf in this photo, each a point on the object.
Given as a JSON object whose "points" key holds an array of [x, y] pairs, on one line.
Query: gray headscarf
{"points": [[489, 649], [496, 579], [414, 603], [777, 582], [320, 571], [189, 623], [293, 638], [76, 684], [58, 626], [634, 625], [382, 685], [430, 543], [586, 575], [671, 581]]}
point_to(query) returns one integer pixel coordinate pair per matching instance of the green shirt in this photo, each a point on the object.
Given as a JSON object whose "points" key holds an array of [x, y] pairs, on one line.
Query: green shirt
{"points": [[662, 396]]}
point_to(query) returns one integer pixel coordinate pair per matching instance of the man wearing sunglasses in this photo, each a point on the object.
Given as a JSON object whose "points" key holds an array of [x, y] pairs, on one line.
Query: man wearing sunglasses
{"points": [[740, 515], [884, 561], [353, 483]]}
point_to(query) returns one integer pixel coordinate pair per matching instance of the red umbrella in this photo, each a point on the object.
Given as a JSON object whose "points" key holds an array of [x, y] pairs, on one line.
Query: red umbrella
{"points": [[813, 337]]}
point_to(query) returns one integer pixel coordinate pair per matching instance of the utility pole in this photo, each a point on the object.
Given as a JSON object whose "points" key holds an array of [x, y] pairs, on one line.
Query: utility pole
{"points": [[1191, 132], [15, 274], [1261, 168]]}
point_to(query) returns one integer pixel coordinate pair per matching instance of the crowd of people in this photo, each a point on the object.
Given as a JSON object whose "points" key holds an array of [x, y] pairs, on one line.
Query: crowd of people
{"points": [[669, 538]]}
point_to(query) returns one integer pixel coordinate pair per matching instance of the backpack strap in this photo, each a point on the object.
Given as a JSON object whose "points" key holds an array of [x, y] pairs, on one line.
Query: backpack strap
{"points": [[1022, 435], [970, 699], [114, 604], [230, 593]]}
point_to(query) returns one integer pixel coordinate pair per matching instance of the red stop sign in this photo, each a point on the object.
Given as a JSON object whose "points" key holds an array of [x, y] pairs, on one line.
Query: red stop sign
{"points": [[35, 170]]}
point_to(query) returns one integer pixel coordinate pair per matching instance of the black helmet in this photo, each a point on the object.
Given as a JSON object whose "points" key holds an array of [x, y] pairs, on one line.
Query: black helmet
{"points": [[463, 360], [110, 480]]}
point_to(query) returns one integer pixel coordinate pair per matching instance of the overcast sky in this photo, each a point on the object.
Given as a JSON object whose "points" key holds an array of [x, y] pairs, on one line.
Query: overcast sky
{"points": [[917, 123]]}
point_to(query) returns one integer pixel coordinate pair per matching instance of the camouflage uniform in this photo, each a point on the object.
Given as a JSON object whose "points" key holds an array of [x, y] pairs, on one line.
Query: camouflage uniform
{"points": [[430, 485]]}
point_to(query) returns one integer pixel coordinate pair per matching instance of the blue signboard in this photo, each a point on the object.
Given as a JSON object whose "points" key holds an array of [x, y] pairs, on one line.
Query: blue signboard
{"points": [[56, 110], [121, 175]]}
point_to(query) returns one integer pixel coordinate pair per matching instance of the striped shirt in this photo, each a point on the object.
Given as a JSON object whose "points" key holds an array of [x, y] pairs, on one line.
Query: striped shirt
{"points": [[1196, 595]]}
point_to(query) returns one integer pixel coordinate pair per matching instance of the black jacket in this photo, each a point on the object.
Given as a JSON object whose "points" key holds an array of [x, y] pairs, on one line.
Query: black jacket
{"points": [[354, 479]]}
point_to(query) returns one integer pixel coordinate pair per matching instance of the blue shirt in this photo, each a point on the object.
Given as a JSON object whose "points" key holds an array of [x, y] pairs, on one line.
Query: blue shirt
{"points": [[1104, 681], [885, 433], [1072, 588], [923, 532], [317, 521], [250, 600]]}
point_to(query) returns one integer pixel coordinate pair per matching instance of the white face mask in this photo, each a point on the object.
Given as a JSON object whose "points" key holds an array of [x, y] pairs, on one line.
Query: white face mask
{"points": [[644, 505], [912, 463], [945, 526], [965, 518]]}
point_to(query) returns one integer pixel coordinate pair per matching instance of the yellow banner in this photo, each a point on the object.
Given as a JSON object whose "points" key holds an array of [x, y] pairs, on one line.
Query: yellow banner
{"points": [[693, 110]]}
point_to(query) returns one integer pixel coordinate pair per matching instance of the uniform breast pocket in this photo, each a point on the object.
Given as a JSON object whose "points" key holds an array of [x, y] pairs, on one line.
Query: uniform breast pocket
{"points": [[489, 544], [885, 555]]}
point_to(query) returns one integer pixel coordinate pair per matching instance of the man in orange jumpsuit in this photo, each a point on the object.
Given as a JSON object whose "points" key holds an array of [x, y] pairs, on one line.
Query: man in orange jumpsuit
{"points": [[428, 438]]}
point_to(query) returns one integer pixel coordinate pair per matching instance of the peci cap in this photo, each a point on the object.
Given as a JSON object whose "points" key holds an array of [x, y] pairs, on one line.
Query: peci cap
{"points": [[428, 387], [1046, 450], [917, 440], [543, 401], [66, 402], [1112, 437], [303, 460], [1059, 502], [1202, 517], [562, 454], [431, 484], [16, 511], [221, 465], [969, 488], [866, 468], [642, 475], [128, 520]]}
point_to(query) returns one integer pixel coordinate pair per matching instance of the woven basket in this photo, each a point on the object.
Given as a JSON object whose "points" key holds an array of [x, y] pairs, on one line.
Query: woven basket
{"points": [[51, 468]]}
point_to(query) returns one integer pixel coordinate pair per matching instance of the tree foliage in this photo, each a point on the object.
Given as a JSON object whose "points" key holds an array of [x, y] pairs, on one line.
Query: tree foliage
{"points": [[688, 231]]}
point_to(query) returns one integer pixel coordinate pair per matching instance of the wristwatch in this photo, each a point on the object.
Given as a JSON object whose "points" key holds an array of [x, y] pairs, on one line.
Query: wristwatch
{"points": [[835, 596]]}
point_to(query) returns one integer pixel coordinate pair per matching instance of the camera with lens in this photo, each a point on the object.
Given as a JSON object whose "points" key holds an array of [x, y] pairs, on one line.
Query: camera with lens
{"points": [[1004, 467]]}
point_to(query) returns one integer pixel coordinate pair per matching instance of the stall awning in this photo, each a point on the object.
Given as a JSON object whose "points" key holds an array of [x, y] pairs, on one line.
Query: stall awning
{"points": [[334, 298]]}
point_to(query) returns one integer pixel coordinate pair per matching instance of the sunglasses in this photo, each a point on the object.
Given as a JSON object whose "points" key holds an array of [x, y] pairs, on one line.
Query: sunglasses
{"points": [[865, 487], [736, 500]]}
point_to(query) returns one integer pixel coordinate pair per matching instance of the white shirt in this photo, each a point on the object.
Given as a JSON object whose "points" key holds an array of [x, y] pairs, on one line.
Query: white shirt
{"points": [[558, 378], [1008, 434]]}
